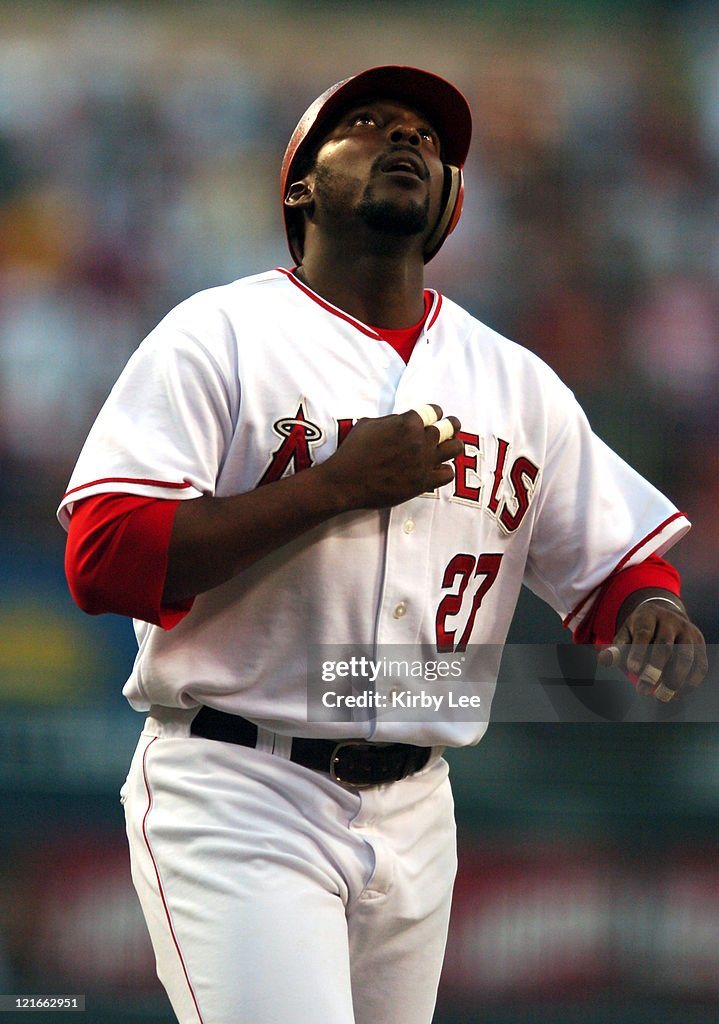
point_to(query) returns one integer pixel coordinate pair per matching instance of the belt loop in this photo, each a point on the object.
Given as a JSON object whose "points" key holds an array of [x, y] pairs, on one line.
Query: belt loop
{"points": [[169, 722], [265, 740], [282, 745]]}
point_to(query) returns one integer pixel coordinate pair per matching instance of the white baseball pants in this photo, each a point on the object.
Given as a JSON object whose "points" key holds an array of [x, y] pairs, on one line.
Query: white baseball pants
{"points": [[273, 894]]}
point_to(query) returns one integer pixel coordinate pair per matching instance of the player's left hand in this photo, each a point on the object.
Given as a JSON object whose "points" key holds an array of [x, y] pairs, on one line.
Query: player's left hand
{"points": [[661, 647]]}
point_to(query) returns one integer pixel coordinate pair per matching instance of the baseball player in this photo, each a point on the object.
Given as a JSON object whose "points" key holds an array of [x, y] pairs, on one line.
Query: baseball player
{"points": [[334, 454]]}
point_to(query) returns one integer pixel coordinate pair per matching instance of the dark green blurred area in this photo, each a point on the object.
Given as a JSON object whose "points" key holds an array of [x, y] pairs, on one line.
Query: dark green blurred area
{"points": [[139, 154]]}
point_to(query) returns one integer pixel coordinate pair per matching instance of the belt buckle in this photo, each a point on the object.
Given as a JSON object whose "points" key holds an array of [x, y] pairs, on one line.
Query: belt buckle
{"points": [[337, 770]]}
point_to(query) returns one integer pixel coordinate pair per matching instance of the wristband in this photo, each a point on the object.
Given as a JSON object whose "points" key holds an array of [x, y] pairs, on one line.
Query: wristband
{"points": [[675, 604]]}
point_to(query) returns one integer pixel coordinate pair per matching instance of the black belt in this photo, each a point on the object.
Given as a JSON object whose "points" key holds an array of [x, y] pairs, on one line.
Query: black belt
{"points": [[355, 762]]}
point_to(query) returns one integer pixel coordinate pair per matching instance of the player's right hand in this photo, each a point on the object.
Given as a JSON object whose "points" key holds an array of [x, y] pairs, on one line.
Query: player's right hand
{"points": [[385, 461]]}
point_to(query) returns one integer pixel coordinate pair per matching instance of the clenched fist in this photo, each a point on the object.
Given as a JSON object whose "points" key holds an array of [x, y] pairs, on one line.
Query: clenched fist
{"points": [[390, 459]]}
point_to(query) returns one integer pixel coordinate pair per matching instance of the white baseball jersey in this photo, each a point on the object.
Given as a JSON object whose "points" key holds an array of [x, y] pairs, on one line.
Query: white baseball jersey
{"points": [[242, 384]]}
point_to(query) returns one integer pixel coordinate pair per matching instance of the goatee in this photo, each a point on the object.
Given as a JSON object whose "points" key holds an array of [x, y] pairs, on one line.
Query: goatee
{"points": [[396, 219]]}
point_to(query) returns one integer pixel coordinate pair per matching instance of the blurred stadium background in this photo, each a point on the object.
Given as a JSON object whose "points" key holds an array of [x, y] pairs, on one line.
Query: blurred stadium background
{"points": [[139, 151]]}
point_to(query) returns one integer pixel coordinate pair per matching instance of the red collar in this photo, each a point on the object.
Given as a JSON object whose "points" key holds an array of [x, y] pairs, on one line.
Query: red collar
{"points": [[404, 339]]}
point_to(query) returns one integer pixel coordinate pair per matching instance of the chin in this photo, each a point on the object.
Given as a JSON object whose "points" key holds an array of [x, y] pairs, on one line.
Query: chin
{"points": [[397, 219]]}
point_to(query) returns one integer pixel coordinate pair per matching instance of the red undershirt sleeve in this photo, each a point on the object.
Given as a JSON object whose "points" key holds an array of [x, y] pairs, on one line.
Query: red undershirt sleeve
{"points": [[116, 557], [600, 625]]}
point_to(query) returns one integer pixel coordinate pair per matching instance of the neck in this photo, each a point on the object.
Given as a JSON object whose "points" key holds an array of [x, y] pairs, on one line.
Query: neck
{"points": [[383, 290]]}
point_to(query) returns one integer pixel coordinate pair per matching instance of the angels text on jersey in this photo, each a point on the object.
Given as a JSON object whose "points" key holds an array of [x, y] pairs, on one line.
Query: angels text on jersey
{"points": [[487, 476]]}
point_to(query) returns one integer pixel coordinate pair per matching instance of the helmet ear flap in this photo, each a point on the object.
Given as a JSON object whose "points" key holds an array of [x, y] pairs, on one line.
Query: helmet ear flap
{"points": [[453, 198]]}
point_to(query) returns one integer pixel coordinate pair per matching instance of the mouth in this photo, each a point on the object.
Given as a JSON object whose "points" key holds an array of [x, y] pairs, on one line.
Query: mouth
{"points": [[404, 163]]}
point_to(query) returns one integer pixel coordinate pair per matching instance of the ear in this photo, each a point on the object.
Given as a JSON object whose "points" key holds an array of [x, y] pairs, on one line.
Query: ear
{"points": [[299, 194]]}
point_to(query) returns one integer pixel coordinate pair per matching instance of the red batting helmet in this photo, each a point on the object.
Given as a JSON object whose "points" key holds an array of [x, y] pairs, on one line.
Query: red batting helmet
{"points": [[443, 104]]}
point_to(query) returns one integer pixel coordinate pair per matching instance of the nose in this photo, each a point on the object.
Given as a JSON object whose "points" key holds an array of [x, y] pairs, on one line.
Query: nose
{"points": [[405, 133]]}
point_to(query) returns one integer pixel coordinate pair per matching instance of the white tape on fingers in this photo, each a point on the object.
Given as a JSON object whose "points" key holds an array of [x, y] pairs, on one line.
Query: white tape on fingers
{"points": [[663, 693], [428, 413], [445, 428], [614, 654], [651, 675]]}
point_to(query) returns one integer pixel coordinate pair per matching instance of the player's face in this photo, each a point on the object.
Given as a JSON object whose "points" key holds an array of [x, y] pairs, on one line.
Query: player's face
{"points": [[381, 163]]}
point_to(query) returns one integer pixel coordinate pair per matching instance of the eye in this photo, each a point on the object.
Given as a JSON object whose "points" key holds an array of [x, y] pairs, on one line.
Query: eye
{"points": [[429, 136], [364, 119]]}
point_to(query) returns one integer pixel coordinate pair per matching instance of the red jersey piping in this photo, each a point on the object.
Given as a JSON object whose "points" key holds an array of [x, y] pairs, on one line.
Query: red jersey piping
{"points": [[369, 331], [438, 305], [129, 480]]}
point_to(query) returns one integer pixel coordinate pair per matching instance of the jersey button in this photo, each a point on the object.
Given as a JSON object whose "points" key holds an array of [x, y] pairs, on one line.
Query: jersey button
{"points": [[400, 610], [408, 526]]}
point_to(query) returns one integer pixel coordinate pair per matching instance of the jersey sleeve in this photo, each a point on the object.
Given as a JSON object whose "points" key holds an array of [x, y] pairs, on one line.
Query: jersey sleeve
{"points": [[166, 425], [594, 516]]}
